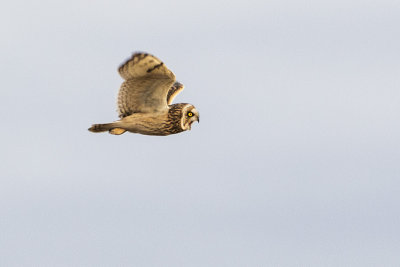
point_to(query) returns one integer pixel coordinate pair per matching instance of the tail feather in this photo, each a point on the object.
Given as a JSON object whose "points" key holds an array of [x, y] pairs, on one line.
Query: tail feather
{"points": [[98, 128]]}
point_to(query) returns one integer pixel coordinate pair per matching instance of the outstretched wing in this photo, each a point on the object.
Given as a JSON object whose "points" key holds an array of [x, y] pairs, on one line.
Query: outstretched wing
{"points": [[176, 88], [146, 86]]}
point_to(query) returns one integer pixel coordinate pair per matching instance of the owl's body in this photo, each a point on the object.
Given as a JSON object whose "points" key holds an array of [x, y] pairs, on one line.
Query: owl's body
{"points": [[144, 100]]}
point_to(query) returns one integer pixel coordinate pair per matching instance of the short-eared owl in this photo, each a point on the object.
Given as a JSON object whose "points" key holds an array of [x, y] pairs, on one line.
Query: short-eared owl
{"points": [[144, 100]]}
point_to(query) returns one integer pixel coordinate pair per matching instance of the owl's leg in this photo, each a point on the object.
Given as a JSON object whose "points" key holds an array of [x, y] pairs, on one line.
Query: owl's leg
{"points": [[117, 131]]}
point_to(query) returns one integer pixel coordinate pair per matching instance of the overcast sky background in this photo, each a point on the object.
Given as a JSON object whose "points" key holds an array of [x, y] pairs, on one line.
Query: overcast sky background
{"points": [[296, 161]]}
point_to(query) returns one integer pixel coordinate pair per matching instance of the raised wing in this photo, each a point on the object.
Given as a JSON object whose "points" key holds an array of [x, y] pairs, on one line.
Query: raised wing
{"points": [[146, 86], [176, 88]]}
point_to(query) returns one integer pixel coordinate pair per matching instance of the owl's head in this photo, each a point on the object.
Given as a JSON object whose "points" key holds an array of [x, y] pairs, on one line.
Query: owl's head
{"points": [[189, 115], [181, 116]]}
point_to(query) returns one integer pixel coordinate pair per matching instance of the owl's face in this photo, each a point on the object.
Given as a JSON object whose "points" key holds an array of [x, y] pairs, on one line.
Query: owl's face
{"points": [[189, 115]]}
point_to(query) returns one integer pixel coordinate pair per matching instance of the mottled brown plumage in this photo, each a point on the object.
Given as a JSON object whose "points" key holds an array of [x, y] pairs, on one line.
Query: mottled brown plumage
{"points": [[144, 100]]}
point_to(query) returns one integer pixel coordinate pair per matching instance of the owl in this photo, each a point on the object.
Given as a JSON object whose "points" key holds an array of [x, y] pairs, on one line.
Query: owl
{"points": [[144, 100]]}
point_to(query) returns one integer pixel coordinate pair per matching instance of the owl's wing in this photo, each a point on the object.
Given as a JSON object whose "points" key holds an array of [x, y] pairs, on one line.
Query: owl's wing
{"points": [[175, 89], [146, 86]]}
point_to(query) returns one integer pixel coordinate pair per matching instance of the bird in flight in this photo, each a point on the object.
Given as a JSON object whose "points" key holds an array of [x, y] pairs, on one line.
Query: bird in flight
{"points": [[145, 100]]}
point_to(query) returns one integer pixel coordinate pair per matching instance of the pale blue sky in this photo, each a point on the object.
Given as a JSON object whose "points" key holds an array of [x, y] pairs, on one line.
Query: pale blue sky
{"points": [[295, 161]]}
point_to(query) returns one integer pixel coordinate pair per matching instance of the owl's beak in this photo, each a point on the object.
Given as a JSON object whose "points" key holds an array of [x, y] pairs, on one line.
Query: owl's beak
{"points": [[198, 118]]}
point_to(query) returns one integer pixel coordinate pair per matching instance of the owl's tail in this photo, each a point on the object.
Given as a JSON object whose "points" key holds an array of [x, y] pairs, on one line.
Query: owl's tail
{"points": [[112, 128]]}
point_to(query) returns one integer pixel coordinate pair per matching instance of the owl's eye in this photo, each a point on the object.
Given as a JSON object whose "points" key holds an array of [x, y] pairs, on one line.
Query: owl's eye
{"points": [[190, 114]]}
